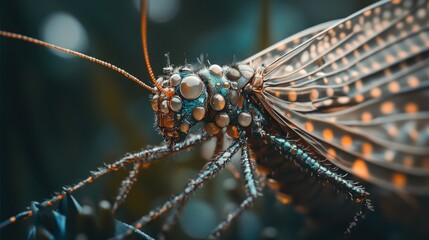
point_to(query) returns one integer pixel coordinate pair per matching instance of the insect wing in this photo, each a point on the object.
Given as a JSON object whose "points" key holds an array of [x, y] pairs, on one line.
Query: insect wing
{"points": [[270, 54], [357, 92]]}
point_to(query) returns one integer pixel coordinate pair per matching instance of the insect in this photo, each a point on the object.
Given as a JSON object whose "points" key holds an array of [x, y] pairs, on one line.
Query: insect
{"points": [[296, 95]]}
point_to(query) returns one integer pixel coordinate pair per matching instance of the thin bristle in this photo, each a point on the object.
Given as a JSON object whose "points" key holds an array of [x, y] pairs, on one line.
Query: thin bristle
{"points": [[143, 25], [77, 54]]}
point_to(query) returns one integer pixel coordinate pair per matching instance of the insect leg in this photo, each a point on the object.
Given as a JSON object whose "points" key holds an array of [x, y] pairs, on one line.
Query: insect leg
{"points": [[147, 156], [300, 157], [174, 216], [252, 191], [171, 220], [209, 171], [126, 185]]}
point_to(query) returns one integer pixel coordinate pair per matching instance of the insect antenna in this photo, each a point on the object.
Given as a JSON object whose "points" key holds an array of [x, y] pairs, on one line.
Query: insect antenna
{"points": [[143, 26], [77, 54]]}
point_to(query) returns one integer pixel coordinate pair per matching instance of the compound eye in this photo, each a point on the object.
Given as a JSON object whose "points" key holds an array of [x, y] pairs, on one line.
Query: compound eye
{"points": [[191, 87]]}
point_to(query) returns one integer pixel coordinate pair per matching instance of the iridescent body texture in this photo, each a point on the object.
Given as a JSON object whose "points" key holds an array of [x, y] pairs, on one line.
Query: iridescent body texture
{"points": [[349, 94], [351, 91]]}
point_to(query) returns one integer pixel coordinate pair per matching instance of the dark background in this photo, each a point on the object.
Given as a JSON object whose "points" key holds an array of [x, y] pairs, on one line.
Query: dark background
{"points": [[62, 117]]}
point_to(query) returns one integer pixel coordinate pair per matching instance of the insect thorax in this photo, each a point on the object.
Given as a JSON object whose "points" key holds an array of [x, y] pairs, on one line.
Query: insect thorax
{"points": [[213, 96]]}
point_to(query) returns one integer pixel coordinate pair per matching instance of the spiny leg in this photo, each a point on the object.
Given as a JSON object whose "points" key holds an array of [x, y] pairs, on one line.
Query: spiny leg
{"points": [[293, 152], [126, 185], [175, 214], [172, 219], [209, 171], [252, 192], [146, 157]]}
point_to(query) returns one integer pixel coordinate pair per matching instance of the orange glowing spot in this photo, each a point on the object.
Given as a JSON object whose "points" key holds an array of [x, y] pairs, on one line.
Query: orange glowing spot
{"points": [[414, 135], [89, 179], [12, 219], [392, 130], [359, 98], [284, 198], [367, 13], [49, 203], [367, 149], [346, 141], [30, 214], [394, 87], [411, 108], [387, 107], [314, 94], [332, 153], [309, 126], [60, 197], [389, 155], [281, 47], [409, 19], [402, 54], [376, 92], [145, 165], [360, 169], [399, 179], [366, 116], [328, 134], [292, 96], [375, 65], [414, 48], [338, 80], [396, 1], [358, 84], [366, 48], [390, 59]]}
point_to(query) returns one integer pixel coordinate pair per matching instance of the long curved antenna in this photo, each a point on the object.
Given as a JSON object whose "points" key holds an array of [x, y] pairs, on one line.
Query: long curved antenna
{"points": [[77, 54], [143, 26]]}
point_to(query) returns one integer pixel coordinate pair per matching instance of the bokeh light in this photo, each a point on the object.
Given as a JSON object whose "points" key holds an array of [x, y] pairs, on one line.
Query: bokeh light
{"points": [[66, 31]]}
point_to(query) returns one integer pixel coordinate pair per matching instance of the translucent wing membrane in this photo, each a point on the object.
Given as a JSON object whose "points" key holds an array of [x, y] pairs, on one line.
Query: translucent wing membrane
{"points": [[274, 52], [358, 93]]}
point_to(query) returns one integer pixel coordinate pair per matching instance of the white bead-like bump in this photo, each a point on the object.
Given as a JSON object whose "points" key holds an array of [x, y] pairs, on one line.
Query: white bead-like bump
{"points": [[175, 80], [164, 106], [216, 70], [176, 103], [198, 113], [246, 70], [191, 87], [244, 119], [226, 85], [233, 97], [154, 102], [217, 102], [222, 119], [233, 74], [184, 127]]}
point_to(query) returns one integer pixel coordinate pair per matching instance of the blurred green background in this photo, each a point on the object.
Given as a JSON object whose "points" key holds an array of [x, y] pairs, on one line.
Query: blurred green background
{"points": [[62, 116]]}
